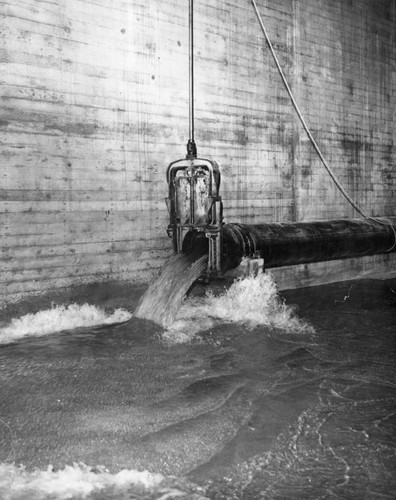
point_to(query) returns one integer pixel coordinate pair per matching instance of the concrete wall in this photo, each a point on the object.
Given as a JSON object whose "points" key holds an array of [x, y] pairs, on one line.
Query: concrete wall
{"points": [[94, 105]]}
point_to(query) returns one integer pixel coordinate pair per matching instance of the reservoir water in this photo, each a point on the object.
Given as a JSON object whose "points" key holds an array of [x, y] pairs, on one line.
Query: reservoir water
{"points": [[241, 396]]}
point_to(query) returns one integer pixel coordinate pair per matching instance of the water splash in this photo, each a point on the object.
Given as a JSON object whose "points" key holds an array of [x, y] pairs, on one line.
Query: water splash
{"points": [[59, 318], [82, 482], [72, 482], [251, 301]]}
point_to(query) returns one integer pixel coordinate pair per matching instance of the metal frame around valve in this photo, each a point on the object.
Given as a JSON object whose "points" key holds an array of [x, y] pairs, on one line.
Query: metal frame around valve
{"points": [[194, 204]]}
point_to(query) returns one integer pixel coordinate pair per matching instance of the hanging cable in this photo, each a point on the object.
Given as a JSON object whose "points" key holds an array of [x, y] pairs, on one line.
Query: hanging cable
{"points": [[311, 138]]}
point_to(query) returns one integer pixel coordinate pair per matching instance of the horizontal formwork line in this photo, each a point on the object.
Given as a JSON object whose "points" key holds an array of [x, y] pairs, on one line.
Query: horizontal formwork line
{"points": [[134, 136], [23, 287], [137, 237], [125, 103], [133, 258], [258, 155], [95, 266], [77, 273], [345, 24], [46, 177], [140, 207], [67, 260], [73, 228], [102, 38], [92, 16], [241, 188], [161, 243], [36, 255], [80, 130], [116, 207], [39, 250], [86, 236], [92, 119], [24, 95], [37, 143], [65, 168], [99, 195], [124, 66], [165, 49], [142, 210], [74, 233], [78, 217], [101, 25], [103, 77], [122, 105], [130, 90], [136, 207], [47, 125]]}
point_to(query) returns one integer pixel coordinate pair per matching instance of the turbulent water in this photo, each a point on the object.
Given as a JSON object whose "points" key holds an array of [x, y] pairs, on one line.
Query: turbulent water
{"points": [[237, 397], [251, 301], [76, 481], [57, 319], [162, 298]]}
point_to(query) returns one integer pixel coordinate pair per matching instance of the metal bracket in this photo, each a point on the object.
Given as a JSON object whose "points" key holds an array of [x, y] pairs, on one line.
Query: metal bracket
{"points": [[194, 204]]}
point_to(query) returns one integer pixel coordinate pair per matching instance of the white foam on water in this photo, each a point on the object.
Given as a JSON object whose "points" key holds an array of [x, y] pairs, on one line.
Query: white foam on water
{"points": [[73, 482], [251, 301], [80, 481], [60, 318]]}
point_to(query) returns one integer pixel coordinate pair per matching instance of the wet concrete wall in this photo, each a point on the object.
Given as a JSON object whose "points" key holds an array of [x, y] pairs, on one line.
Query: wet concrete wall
{"points": [[95, 105]]}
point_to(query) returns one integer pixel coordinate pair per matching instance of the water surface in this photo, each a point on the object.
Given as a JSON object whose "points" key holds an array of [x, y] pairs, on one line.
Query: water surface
{"points": [[237, 410]]}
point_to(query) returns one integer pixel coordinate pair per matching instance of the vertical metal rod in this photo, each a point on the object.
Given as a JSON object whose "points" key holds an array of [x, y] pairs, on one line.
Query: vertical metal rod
{"points": [[191, 76], [191, 147]]}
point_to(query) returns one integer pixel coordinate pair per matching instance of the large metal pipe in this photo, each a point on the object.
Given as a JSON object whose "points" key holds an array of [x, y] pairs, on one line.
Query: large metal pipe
{"points": [[283, 244]]}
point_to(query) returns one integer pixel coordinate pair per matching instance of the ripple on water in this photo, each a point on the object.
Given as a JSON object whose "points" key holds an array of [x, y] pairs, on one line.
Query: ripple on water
{"points": [[248, 411]]}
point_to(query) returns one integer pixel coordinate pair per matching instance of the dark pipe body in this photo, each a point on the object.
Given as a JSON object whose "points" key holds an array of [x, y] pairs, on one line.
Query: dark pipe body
{"points": [[283, 244]]}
